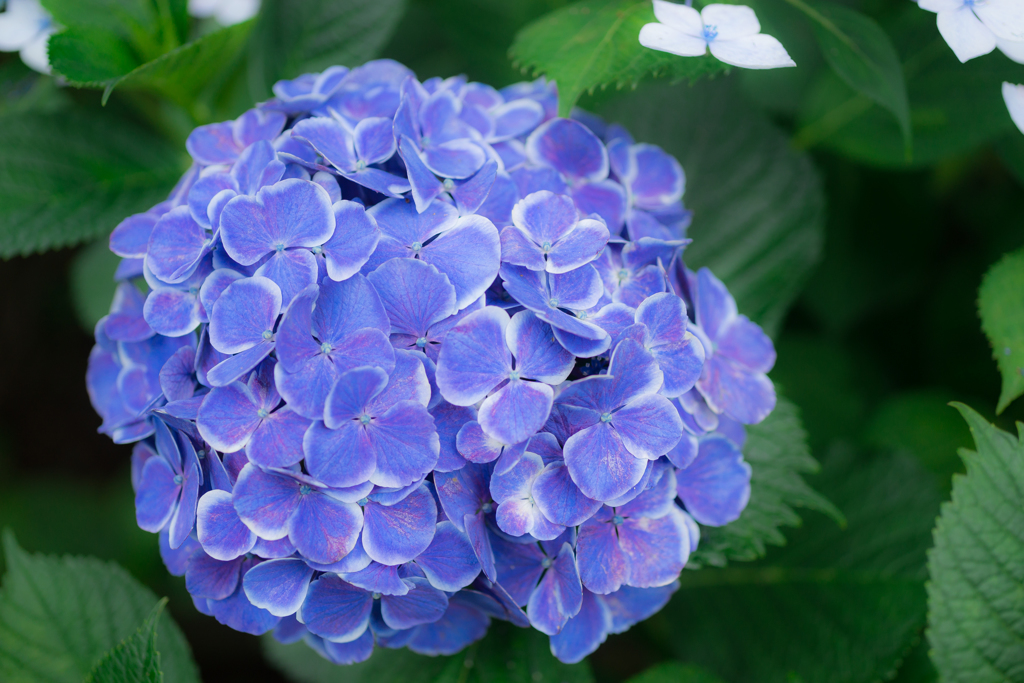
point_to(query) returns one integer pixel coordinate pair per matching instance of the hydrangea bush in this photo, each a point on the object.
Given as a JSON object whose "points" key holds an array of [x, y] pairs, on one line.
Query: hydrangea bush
{"points": [[400, 358]]}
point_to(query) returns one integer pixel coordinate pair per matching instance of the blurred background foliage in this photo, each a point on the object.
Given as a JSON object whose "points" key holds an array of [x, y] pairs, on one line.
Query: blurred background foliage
{"points": [[873, 258]]}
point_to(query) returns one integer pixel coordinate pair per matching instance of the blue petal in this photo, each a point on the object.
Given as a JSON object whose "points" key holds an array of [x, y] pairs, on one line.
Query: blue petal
{"points": [[480, 539], [342, 308], [475, 446], [503, 195], [244, 314], [474, 357], [449, 561], [727, 387], [423, 604], [585, 632], [340, 457], [324, 529], [405, 443], [130, 239], [177, 376], [292, 270], [335, 609], [570, 147], [266, 501], [469, 254], [401, 220], [462, 624], [463, 491], [518, 249], [227, 417], [157, 496], [176, 245], [559, 595], [656, 549], [716, 487], [206, 577], [519, 566], [581, 246], [470, 194], [424, 184], [517, 411], [230, 369], [600, 464], [603, 565], [630, 605], [714, 306], [354, 239], [278, 586], [538, 356], [545, 216], [359, 650], [375, 140], [397, 534], [221, 533], [378, 578], [237, 612], [605, 198], [414, 293], [448, 421], [352, 393], [126, 321], [559, 499], [330, 139], [277, 442], [649, 426]]}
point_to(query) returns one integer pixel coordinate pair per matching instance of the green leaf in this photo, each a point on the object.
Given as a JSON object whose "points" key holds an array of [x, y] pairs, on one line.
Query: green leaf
{"points": [[860, 52], [835, 605], [777, 452], [90, 56], [136, 659], [1001, 306], [674, 672], [70, 177], [506, 655], [298, 36], [758, 206], [1011, 150], [92, 282], [595, 43], [976, 586], [144, 29], [60, 615]]}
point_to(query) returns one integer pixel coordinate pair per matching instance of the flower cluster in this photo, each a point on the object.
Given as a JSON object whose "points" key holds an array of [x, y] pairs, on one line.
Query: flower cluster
{"points": [[399, 358]]}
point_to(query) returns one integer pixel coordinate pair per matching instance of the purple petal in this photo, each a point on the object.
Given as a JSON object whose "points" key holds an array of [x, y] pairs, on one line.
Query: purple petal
{"points": [[517, 411], [656, 549], [516, 118], [425, 185], [177, 376], [519, 249], [266, 501], [559, 595], [227, 417], [157, 495], [375, 140], [716, 487], [244, 314], [635, 372], [221, 533], [470, 194], [747, 397], [449, 561], [345, 307], [378, 578], [126, 321], [408, 381], [603, 565], [463, 491], [340, 457], [401, 220], [238, 613], [503, 195], [538, 356], [172, 312], [570, 147], [581, 246], [354, 239], [323, 528], [335, 609], [519, 566], [423, 604], [474, 357], [359, 650], [352, 393], [462, 624], [600, 464], [456, 159], [130, 239], [176, 245], [480, 539], [278, 586], [330, 139], [448, 421], [605, 198], [545, 217], [277, 442], [469, 254], [629, 606], [292, 213], [290, 630], [475, 446], [746, 344], [559, 499], [176, 559], [585, 632], [658, 497], [234, 367], [213, 144], [649, 427], [414, 293], [397, 534], [405, 444], [292, 270], [659, 180], [206, 577], [715, 307], [295, 344]]}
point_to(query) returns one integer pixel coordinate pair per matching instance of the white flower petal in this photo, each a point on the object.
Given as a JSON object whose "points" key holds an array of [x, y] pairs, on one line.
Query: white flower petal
{"points": [[940, 5], [1012, 49], [237, 11], [21, 23], [668, 39], [752, 52], [679, 17], [965, 34], [204, 8], [1013, 95], [35, 55], [1005, 18], [730, 21]]}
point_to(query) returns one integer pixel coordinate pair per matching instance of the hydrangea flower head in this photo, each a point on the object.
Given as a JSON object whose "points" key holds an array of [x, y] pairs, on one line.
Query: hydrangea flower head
{"points": [[400, 358]]}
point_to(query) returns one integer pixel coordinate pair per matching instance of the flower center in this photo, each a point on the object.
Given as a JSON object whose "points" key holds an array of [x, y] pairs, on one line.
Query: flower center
{"points": [[305, 489], [193, 290], [513, 375], [546, 562], [326, 348], [279, 248], [268, 334], [421, 342], [607, 417], [376, 596], [553, 303], [546, 246], [360, 165], [364, 419], [416, 246], [618, 519], [317, 251], [449, 184], [362, 502], [201, 453], [178, 479], [486, 507], [623, 274], [262, 413], [710, 33]]}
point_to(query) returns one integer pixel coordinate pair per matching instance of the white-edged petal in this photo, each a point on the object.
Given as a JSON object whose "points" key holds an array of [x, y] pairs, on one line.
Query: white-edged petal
{"points": [[1005, 18], [1013, 95], [940, 5], [21, 23], [965, 34], [1012, 49], [236, 11], [752, 52], [680, 17], [668, 39], [35, 54], [729, 22]]}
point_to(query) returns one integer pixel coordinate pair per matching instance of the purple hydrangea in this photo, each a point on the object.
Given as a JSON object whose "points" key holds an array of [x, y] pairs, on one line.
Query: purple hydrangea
{"points": [[399, 358]]}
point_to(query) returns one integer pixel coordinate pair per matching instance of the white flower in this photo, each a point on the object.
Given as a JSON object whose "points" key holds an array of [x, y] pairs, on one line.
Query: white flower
{"points": [[731, 32], [976, 27], [226, 12], [26, 27], [1013, 95]]}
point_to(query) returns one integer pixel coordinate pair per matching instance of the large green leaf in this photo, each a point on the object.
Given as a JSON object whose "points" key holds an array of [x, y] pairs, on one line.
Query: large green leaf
{"points": [[1001, 306], [860, 52], [298, 36], [835, 605], [135, 659], [674, 672], [777, 452], [506, 655], [976, 591], [758, 206], [70, 177], [595, 43], [60, 615]]}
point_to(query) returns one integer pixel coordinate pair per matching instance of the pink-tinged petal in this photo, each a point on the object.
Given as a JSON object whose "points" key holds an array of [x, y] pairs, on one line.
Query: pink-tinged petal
{"points": [[746, 344], [324, 529], [277, 442], [415, 295], [330, 139], [656, 549], [398, 533], [469, 254], [474, 357], [449, 561], [716, 487], [649, 426], [463, 492], [221, 533], [339, 457], [293, 270], [600, 464], [408, 381], [559, 499], [449, 421], [538, 354], [585, 632], [228, 417], [355, 237], [517, 411], [335, 609], [570, 147], [278, 586], [405, 443], [257, 124], [291, 213], [423, 604], [212, 579], [559, 595], [475, 446], [745, 396], [603, 565], [266, 501], [351, 394], [176, 245], [518, 249], [244, 314], [517, 517], [157, 495]]}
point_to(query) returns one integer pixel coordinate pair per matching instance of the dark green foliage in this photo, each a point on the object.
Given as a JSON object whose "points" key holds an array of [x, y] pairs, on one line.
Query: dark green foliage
{"points": [[673, 672], [1001, 306], [975, 595], [136, 659]]}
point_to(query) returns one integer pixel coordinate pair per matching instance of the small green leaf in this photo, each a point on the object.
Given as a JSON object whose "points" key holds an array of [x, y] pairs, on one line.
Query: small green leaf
{"points": [[145, 28], [674, 672], [860, 52], [297, 36], [758, 206], [976, 589], [506, 655], [73, 176], [777, 452], [595, 43], [89, 56], [135, 659], [92, 282], [1001, 306], [60, 615]]}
